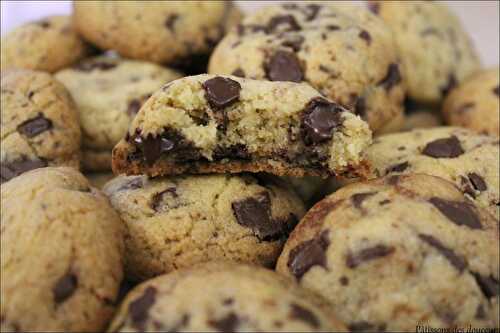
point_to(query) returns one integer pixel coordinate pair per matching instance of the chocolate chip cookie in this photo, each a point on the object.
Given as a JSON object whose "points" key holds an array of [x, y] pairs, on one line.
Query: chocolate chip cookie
{"points": [[461, 156], [62, 247], [397, 252], [171, 32], [39, 124], [346, 53], [475, 103], [227, 297], [208, 123], [436, 52], [109, 92], [180, 221], [46, 45]]}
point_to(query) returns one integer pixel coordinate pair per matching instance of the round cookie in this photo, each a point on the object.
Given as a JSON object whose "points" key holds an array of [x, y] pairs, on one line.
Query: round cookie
{"points": [[46, 45], [109, 92], [475, 103], [39, 124], [397, 252], [62, 247], [228, 297], [346, 53], [458, 155], [436, 52], [179, 221], [167, 32]]}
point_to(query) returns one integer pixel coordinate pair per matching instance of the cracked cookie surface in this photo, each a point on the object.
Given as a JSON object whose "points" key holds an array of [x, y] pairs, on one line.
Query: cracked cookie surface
{"points": [[39, 124], [436, 52], [108, 92], [179, 221], [475, 104], [208, 123], [45, 45], [229, 297], [399, 251], [346, 53], [467, 159], [62, 250]]}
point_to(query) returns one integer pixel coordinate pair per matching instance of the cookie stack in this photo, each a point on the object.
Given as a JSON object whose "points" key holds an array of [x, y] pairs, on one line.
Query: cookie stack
{"points": [[288, 171]]}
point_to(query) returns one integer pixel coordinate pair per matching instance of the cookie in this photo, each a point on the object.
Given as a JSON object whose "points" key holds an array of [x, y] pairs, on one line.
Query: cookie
{"points": [[436, 52], [169, 32], [180, 221], [46, 45], [109, 92], [207, 123], [39, 124], [346, 53], [467, 159], [62, 247], [99, 179], [397, 252], [229, 298], [475, 103]]}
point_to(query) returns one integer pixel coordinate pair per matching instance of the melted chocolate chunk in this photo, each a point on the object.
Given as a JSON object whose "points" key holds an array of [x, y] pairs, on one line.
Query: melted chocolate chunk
{"points": [[238, 72], [496, 90], [139, 308], [10, 170], [229, 323], [170, 21], [371, 253], [488, 284], [221, 92], [458, 212], [308, 254], [34, 126], [360, 107], [64, 287], [358, 198], [366, 36], [277, 22], [284, 66], [477, 181], [456, 261], [444, 148], [157, 198], [392, 78], [400, 167], [87, 66], [452, 83], [300, 313], [319, 119]]}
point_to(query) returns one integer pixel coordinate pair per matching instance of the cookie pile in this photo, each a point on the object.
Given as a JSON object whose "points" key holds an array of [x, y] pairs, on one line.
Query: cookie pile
{"points": [[172, 166]]}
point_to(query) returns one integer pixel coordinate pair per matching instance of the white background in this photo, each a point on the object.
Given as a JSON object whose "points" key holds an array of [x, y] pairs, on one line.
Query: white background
{"points": [[480, 18]]}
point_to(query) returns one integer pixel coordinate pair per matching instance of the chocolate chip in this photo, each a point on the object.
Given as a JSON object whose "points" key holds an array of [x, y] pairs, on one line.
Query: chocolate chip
{"points": [[300, 313], [312, 11], [480, 313], [157, 198], [255, 213], [170, 21], [344, 281], [358, 198], [221, 92], [13, 169], [64, 287], [294, 42], [284, 66], [459, 212], [400, 167], [153, 147], [449, 254], [319, 119], [392, 78], [238, 151], [488, 284], [444, 148], [133, 107], [429, 31], [378, 251], [139, 308], [229, 323], [364, 326], [283, 20], [384, 202], [44, 24], [34, 126], [332, 27], [366, 36], [228, 301], [238, 72], [374, 7], [452, 83], [87, 66], [496, 90], [477, 181], [308, 254]]}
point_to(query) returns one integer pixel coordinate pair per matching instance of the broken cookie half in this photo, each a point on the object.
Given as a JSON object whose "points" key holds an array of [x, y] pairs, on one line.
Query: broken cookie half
{"points": [[219, 124]]}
